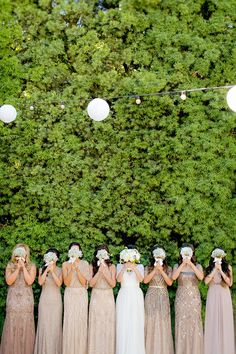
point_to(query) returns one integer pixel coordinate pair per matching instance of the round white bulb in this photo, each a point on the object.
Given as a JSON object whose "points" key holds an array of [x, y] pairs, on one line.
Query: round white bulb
{"points": [[138, 100], [62, 106], [183, 96], [231, 98], [31, 108], [8, 113], [98, 109]]}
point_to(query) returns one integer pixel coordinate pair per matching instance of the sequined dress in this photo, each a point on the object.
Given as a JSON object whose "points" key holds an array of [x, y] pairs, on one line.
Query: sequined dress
{"points": [[19, 330], [158, 336], [76, 313], [219, 323], [102, 318], [188, 321], [49, 331]]}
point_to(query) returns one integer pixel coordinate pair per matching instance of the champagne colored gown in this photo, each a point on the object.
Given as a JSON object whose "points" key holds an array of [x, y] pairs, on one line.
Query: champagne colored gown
{"points": [[76, 313], [219, 322], [49, 331], [158, 336], [102, 318], [188, 321], [19, 329]]}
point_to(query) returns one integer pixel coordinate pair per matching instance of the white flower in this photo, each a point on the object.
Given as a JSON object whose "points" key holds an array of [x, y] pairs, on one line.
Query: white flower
{"points": [[129, 255], [102, 255], [50, 257], [159, 255], [218, 254], [186, 252], [20, 253], [74, 253]]}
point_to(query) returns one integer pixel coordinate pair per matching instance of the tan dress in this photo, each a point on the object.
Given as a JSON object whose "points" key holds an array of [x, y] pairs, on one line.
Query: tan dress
{"points": [[49, 331], [19, 329], [158, 336], [76, 313], [188, 322], [102, 318], [219, 324]]}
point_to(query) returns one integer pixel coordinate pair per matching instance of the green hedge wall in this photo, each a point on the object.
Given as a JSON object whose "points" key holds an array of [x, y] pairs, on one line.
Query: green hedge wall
{"points": [[159, 172]]}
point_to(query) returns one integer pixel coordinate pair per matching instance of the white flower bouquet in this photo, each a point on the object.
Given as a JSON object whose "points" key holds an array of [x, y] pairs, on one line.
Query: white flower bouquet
{"points": [[218, 254], [50, 258], [129, 255], [159, 255], [186, 252], [102, 256], [20, 254], [74, 253]]}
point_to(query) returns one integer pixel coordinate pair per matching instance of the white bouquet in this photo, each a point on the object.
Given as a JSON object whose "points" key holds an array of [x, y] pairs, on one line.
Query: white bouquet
{"points": [[50, 258], [74, 253], [159, 255], [218, 254], [186, 252], [102, 256], [20, 254], [129, 255]]}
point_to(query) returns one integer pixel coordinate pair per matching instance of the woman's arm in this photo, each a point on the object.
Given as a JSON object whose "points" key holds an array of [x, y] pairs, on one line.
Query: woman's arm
{"points": [[228, 280], [197, 270], [139, 275], [30, 275], [11, 276], [57, 279], [209, 277], [148, 277], [177, 271], [120, 272], [109, 274], [67, 272], [165, 276]]}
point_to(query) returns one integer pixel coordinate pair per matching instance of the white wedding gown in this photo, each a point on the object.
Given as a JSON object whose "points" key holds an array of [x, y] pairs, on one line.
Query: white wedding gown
{"points": [[130, 314]]}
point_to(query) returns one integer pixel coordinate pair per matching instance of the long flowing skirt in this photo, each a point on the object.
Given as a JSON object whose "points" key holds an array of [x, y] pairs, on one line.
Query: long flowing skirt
{"points": [[75, 321], [130, 321], [219, 325], [101, 322]]}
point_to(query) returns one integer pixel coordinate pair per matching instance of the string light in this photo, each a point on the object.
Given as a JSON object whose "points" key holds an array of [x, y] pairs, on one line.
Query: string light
{"points": [[183, 95], [138, 100]]}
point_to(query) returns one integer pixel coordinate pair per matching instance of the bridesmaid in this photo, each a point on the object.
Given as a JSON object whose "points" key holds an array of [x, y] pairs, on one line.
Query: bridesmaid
{"points": [[219, 325], [102, 304], [76, 274], [158, 334], [19, 329], [188, 322], [49, 331], [130, 304]]}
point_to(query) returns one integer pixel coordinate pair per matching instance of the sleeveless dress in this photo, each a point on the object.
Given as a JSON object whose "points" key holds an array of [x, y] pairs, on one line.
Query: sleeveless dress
{"points": [[158, 336], [49, 331], [130, 314], [76, 313], [188, 321], [19, 329], [102, 318], [219, 323]]}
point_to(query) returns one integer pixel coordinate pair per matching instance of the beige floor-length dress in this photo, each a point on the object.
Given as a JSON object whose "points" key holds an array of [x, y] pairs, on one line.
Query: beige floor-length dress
{"points": [[76, 313], [158, 336], [219, 323], [102, 318], [49, 331], [19, 329], [188, 321]]}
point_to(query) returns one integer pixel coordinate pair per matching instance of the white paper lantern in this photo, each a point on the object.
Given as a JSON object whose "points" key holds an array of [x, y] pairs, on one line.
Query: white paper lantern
{"points": [[98, 109], [7, 113], [231, 98]]}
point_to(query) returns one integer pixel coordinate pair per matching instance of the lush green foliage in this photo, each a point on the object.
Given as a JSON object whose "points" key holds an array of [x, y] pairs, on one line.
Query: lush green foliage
{"points": [[160, 172]]}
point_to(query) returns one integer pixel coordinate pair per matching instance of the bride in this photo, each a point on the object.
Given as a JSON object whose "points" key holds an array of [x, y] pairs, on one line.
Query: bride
{"points": [[130, 304]]}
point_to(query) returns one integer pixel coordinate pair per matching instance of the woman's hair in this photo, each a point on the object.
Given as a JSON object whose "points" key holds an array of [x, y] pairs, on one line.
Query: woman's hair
{"points": [[131, 247], [193, 259], [53, 250], [95, 259], [27, 257], [152, 260], [224, 266], [74, 244]]}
